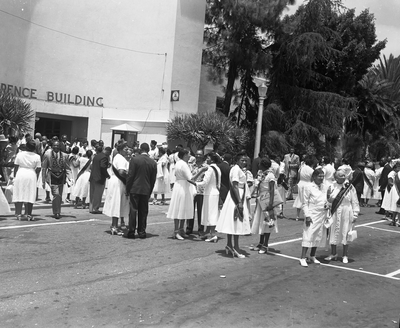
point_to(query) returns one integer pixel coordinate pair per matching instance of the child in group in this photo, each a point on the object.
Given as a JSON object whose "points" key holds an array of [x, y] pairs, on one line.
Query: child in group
{"points": [[267, 206]]}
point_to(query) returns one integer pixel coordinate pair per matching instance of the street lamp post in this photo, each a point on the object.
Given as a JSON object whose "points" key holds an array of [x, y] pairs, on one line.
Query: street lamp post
{"points": [[262, 85]]}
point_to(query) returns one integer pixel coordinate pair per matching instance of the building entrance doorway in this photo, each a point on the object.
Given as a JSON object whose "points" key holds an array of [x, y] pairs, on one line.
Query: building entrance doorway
{"points": [[50, 127]]}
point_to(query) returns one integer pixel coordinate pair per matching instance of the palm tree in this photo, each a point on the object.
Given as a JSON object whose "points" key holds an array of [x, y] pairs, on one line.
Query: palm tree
{"points": [[15, 114], [198, 130]]}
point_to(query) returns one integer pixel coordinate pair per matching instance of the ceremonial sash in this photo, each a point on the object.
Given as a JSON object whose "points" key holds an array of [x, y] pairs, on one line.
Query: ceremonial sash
{"points": [[83, 169], [216, 175], [397, 185], [339, 198], [118, 175]]}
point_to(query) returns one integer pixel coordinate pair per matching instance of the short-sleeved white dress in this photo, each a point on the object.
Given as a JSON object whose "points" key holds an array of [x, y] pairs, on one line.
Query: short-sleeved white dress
{"points": [[116, 203], [25, 182], [226, 222], [181, 205]]}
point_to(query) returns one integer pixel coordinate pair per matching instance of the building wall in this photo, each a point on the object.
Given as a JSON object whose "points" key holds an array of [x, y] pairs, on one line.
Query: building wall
{"points": [[126, 54]]}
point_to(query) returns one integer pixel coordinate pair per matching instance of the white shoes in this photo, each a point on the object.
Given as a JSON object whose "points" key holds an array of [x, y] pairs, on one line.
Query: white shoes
{"points": [[314, 260], [303, 262], [345, 259]]}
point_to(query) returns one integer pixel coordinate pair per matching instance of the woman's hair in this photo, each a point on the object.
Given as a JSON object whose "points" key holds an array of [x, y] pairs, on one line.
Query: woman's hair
{"points": [[310, 161], [75, 150], [89, 153], [316, 173], [30, 145], [264, 164], [240, 154], [213, 156], [120, 146], [161, 151], [182, 152]]}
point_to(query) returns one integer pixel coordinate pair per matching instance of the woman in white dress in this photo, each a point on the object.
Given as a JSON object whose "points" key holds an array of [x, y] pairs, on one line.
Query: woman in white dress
{"points": [[172, 158], [73, 159], [82, 185], [234, 217], [315, 210], [305, 173], [162, 181], [27, 167], [264, 219], [181, 206], [392, 194], [211, 184], [369, 182], [116, 204], [345, 209]]}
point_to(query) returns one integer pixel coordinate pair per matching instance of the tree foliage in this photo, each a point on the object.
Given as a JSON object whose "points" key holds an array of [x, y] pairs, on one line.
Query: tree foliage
{"points": [[236, 34], [198, 130], [320, 54], [15, 114]]}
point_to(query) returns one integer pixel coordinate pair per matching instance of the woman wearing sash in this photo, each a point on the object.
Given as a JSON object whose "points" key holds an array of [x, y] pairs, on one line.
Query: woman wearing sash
{"points": [[81, 188], [234, 216], [344, 211], [391, 200], [315, 208], [369, 182], [162, 181], [265, 215], [116, 204], [211, 184], [305, 174]]}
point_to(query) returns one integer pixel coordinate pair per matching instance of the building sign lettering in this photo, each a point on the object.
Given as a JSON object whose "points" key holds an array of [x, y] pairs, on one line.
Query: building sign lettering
{"points": [[61, 98]]}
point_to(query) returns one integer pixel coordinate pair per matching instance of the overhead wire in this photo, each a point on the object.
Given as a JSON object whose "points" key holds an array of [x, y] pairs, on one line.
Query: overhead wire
{"points": [[83, 39]]}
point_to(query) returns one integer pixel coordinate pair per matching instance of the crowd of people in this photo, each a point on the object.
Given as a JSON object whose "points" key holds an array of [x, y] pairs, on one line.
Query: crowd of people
{"points": [[213, 189]]}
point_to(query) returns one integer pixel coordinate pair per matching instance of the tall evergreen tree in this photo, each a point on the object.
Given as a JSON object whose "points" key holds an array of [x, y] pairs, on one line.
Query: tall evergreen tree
{"points": [[237, 34]]}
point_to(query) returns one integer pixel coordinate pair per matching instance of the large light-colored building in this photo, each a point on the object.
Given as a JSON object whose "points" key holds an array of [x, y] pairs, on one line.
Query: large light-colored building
{"points": [[91, 66]]}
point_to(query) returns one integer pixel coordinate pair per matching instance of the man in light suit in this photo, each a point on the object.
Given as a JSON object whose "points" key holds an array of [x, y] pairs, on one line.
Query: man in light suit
{"points": [[55, 172], [98, 176], [139, 185], [292, 164]]}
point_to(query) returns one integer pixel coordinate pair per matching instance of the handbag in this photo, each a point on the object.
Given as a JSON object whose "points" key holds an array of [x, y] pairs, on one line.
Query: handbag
{"points": [[328, 220], [352, 235], [264, 199]]}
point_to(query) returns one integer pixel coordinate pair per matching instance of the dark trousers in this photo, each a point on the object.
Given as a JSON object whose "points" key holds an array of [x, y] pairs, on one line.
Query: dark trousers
{"points": [[198, 201], [96, 192], [56, 192], [139, 206]]}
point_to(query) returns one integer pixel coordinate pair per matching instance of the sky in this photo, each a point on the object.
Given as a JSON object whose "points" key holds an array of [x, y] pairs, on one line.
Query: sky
{"points": [[387, 22]]}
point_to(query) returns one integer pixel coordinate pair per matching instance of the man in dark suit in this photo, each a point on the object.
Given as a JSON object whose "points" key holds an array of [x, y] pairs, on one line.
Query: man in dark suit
{"points": [[383, 180], [97, 179], [55, 172], [358, 181], [139, 185]]}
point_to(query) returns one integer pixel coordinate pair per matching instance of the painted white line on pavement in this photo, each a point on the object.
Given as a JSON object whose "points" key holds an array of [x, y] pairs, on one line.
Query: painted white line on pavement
{"points": [[46, 224], [389, 276], [285, 242], [368, 224], [394, 273], [154, 223], [383, 229]]}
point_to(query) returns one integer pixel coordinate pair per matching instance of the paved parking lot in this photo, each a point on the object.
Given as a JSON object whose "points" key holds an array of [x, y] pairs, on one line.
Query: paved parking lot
{"points": [[73, 273]]}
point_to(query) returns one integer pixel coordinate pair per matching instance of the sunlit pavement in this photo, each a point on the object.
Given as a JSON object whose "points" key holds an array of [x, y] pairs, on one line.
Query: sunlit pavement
{"points": [[73, 273]]}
